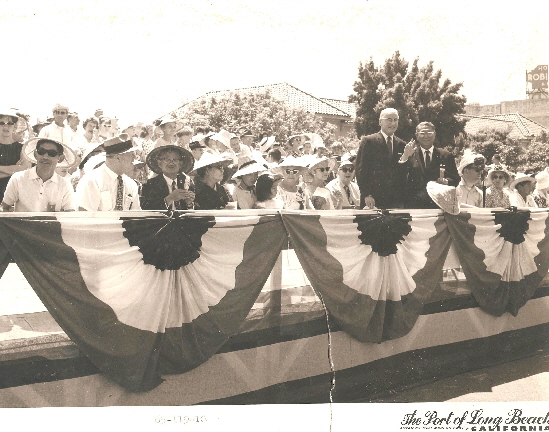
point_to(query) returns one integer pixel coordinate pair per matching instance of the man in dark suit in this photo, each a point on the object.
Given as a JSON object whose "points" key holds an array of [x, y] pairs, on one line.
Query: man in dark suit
{"points": [[171, 189], [379, 174], [425, 163]]}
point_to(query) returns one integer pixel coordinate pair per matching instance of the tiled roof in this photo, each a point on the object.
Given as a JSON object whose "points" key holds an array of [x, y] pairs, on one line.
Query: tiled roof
{"points": [[519, 126], [293, 96], [349, 107]]}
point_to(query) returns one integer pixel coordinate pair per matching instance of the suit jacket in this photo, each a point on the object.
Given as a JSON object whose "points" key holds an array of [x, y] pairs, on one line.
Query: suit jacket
{"points": [[154, 192], [418, 175], [378, 173]]}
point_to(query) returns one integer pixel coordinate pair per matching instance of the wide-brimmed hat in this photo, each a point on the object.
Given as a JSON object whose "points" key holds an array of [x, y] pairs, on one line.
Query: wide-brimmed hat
{"points": [[90, 148], [224, 137], [315, 139], [520, 178], [469, 159], [542, 180], [291, 162], [94, 162], [30, 146], [166, 120], [266, 143], [444, 196], [186, 156], [319, 162], [9, 112], [498, 169], [119, 144], [209, 159], [249, 167]]}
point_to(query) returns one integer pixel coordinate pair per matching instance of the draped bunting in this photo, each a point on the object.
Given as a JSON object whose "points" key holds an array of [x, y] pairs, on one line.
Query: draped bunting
{"points": [[504, 255], [374, 272], [142, 294]]}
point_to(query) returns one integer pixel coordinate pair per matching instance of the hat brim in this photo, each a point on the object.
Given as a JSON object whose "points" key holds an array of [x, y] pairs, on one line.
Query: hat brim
{"points": [[30, 146], [519, 180], [250, 169], [186, 155], [444, 196], [208, 159]]}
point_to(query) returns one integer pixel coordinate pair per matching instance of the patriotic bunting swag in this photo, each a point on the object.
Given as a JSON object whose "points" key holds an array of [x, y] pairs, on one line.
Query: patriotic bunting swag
{"points": [[151, 294]]}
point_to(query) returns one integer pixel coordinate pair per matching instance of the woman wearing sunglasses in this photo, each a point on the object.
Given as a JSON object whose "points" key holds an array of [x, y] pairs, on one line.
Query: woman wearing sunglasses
{"points": [[209, 193], [321, 197], [11, 160], [289, 190], [497, 195]]}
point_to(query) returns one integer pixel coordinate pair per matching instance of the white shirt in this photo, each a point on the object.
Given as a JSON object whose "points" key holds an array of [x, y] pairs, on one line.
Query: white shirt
{"points": [[336, 185], [30, 193], [62, 134], [516, 200], [470, 195], [385, 136], [96, 191]]}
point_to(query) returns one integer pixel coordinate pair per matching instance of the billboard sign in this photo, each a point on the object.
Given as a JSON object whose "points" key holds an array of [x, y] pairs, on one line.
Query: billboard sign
{"points": [[538, 77]]}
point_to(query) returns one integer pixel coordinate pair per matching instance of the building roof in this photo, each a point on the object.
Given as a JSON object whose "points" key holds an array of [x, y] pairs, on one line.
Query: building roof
{"points": [[349, 107], [293, 97], [519, 127]]}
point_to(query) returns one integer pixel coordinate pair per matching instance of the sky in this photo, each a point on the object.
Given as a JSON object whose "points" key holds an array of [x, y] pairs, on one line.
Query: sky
{"points": [[139, 60]]}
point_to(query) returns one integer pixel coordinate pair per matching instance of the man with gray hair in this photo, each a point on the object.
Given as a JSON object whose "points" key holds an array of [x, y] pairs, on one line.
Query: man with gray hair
{"points": [[379, 174]]}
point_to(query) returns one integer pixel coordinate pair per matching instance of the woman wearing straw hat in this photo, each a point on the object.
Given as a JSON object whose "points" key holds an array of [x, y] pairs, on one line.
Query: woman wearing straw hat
{"points": [[290, 191], [244, 192], [522, 188], [321, 197], [169, 128], [540, 195], [11, 159], [209, 193], [497, 194]]}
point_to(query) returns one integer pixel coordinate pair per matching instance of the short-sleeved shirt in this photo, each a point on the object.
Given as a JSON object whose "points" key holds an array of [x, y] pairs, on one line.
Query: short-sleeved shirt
{"points": [[30, 193], [63, 134], [469, 195], [97, 190]]}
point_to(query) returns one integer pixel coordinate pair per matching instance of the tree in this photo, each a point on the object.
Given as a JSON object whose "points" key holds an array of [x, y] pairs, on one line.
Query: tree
{"points": [[417, 94], [262, 113]]}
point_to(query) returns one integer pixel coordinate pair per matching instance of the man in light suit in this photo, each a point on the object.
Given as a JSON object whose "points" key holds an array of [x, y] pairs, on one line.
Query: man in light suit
{"points": [[425, 163], [344, 183], [379, 174]]}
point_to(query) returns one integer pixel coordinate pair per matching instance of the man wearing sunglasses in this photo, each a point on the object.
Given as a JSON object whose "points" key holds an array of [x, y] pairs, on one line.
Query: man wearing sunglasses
{"points": [[58, 130], [344, 183], [40, 188], [424, 163]]}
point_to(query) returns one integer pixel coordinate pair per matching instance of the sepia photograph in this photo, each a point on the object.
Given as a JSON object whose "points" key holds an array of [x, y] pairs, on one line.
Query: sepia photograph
{"points": [[277, 216]]}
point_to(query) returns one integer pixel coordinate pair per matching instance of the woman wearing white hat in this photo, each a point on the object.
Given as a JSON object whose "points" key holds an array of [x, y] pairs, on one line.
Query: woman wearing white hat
{"points": [[244, 192], [521, 191], [169, 128], [209, 193], [497, 195], [540, 195], [321, 197], [289, 189]]}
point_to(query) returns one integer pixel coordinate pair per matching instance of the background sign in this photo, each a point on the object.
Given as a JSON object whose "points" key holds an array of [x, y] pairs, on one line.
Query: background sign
{"points": [[538, 77]]}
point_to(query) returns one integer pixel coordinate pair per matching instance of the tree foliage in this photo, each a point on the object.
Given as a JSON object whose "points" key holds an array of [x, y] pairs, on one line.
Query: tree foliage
{"points": [[517, 158], [417, 93], [262, 113]]}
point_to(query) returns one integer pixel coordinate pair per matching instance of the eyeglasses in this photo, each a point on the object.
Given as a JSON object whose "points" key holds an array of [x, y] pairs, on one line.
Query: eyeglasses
{"points": [[327, 169], [347, 169], [170, 160], [7, 124], [51, 153], [498, 177], [60, 112], [292, 171]]}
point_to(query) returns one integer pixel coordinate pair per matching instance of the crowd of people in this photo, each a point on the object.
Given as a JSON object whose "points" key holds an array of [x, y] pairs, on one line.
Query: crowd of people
{"points": [[60, 165]]}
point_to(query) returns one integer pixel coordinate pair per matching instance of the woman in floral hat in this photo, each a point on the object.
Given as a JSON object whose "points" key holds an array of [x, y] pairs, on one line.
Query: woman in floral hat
{"points": [[497, 195], [289, 189]]}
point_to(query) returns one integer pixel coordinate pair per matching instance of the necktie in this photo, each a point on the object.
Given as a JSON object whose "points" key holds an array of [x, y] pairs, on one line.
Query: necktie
{"points": [[427, 158], [175, 203], [119, 194], [348, 192], [390, 145]]}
